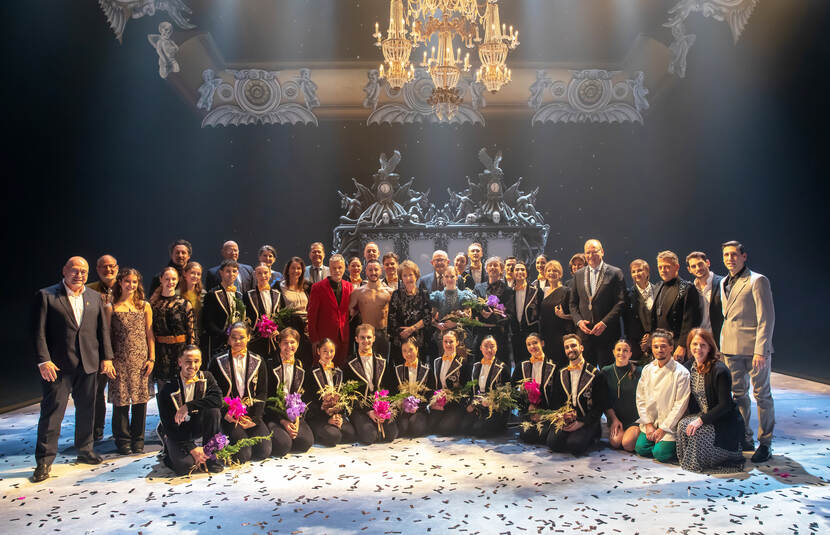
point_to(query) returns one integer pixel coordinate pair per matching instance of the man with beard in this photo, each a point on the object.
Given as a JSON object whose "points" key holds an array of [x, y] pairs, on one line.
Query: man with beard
{"points": [[371, 302], [107, 268]]}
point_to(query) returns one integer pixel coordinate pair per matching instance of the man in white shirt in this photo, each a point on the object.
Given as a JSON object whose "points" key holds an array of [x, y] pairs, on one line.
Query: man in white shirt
{"points": [[316, 271], [708, 286], [662, 399], [72, 344]]}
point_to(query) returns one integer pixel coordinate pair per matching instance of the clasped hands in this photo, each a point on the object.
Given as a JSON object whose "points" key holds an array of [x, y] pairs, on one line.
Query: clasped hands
{"points": [[654, 434], [597, 330]]}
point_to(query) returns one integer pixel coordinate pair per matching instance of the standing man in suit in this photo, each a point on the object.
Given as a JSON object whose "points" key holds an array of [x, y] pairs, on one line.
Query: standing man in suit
{"points": [[497, 324], [328, 310], [181, 251], [107, 268], [597, 300], [708, 286], [676, 303], [639, 300], [432, 282], [245, 276], [475, 273], [316, 271], [71, 345], [746, 343]]}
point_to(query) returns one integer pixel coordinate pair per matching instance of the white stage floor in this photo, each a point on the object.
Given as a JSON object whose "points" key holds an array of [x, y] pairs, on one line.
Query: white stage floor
{"points": [[429, 485]]}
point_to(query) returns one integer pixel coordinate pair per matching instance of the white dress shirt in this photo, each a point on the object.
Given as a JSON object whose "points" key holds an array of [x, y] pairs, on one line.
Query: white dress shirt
{"points": [[188, 392], [705, 300], [368, 368], [413, 375], [520, 303], [662, 396], [265, 295], [575, 376], [76, 301], [287, 377], [329, 378], [445, 368], [536, 374], [239, 364], [594, 276], [647, 294], [482, 378]]}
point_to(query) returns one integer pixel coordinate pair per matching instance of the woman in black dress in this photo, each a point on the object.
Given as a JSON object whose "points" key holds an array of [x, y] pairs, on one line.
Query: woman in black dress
{"points": [[554, 317], [174, 326], [409, 312], [622, 378]]}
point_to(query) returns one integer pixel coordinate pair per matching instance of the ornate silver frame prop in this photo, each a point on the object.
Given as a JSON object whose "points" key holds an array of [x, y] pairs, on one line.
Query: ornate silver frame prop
{"points": [[397, 215], [119, 12]]}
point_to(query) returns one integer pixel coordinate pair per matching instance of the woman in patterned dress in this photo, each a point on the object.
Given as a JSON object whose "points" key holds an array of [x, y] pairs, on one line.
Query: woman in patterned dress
{"points": [[709, 437], [410, 313], [174, 326], [131, 326]]}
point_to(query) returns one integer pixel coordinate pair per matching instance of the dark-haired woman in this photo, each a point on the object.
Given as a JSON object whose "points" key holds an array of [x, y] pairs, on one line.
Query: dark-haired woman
{"points": [[488, 373], [450, 372], [413, 376], [295, 289], [243, 374], [268, 255], [288, 376], [329, 428], [131, 326], [174, 326], [622, 378], [709, 437], [541, 371]]}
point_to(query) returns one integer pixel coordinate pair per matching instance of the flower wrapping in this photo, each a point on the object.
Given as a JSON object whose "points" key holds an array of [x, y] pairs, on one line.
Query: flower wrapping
{"points": [[410, 404], [294, 406], [236, 408], [534, 395], [439, 399]]}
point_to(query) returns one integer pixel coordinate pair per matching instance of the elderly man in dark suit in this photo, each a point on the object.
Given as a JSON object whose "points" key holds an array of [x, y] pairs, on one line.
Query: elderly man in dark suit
{"points": [[597, 300], [71, 344], [245, 276]]}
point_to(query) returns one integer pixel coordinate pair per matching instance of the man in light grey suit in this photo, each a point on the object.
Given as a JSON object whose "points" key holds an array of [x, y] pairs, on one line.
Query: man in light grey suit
{"points": [[746, 343], [316, 271]]}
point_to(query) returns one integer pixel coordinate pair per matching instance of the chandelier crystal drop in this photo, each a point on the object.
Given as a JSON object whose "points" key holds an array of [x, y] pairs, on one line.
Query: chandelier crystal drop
{"points": [[439, 22]]}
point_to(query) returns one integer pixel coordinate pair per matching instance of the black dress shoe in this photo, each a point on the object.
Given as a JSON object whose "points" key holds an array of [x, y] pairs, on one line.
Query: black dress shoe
{"points": [[138, 448], [762, 454], [89, 458], [41, 473], [748, 445], [98, 435], [124, 449], [214, 466]]}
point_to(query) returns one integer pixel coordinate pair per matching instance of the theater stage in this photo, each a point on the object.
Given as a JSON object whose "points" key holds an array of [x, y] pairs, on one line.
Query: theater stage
{"points": [[435, 485]]}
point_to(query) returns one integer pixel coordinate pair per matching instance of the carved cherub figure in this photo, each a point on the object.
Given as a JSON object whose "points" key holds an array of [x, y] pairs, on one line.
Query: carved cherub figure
{"points": [[165, 48], [308, 88], [207, 89]]}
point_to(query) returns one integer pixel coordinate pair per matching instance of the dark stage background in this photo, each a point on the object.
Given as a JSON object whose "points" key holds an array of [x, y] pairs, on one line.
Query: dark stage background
{"points": [[101, 155]]}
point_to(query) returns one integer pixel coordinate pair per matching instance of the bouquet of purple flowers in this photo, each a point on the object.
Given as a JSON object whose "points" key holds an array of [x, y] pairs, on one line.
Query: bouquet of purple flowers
{"points": [[294, 407], [286, 407], [410, 404], [215, 445]]}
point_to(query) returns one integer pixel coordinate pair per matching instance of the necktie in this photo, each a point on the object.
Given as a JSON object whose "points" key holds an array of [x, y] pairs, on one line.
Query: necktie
{"points": [[194, 379], [488, 362], [575, 366], [289, 362], [534, 358], [231, 289], [329, 366], [413, 365], [447, 357]]}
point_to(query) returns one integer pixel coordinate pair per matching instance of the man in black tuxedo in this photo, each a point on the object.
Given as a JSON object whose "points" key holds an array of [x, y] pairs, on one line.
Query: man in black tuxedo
{"points": [[223, 307], [708, 286], [71, 344], [189, 408], [639, 300], [245, 276], [527, 300], [597, 300], [180, 254], [475, 272], [676, 303]]}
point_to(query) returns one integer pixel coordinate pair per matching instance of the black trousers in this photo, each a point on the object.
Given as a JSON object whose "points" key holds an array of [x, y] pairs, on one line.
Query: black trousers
{"points": [[205, 424], [367, 430], [574, 442], [599, 350], [53, 406], [128, 429], [282, 443], [329, 435], [258, 451], [100, 403], [448, 421], [413, 425], [483, 427]]}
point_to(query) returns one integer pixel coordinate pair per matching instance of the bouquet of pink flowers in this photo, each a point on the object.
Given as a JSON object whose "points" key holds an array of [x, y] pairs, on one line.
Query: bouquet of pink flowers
{"points": [[531, 389], [382, 408], [266, 327], [236, 408]]}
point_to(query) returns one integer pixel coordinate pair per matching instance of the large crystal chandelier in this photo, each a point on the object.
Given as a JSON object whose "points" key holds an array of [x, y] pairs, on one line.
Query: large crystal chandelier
{"points": [[444, 20]]}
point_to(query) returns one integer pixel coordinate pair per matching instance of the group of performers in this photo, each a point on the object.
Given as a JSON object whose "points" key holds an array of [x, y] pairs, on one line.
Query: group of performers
{"points": [[450, 338]]}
